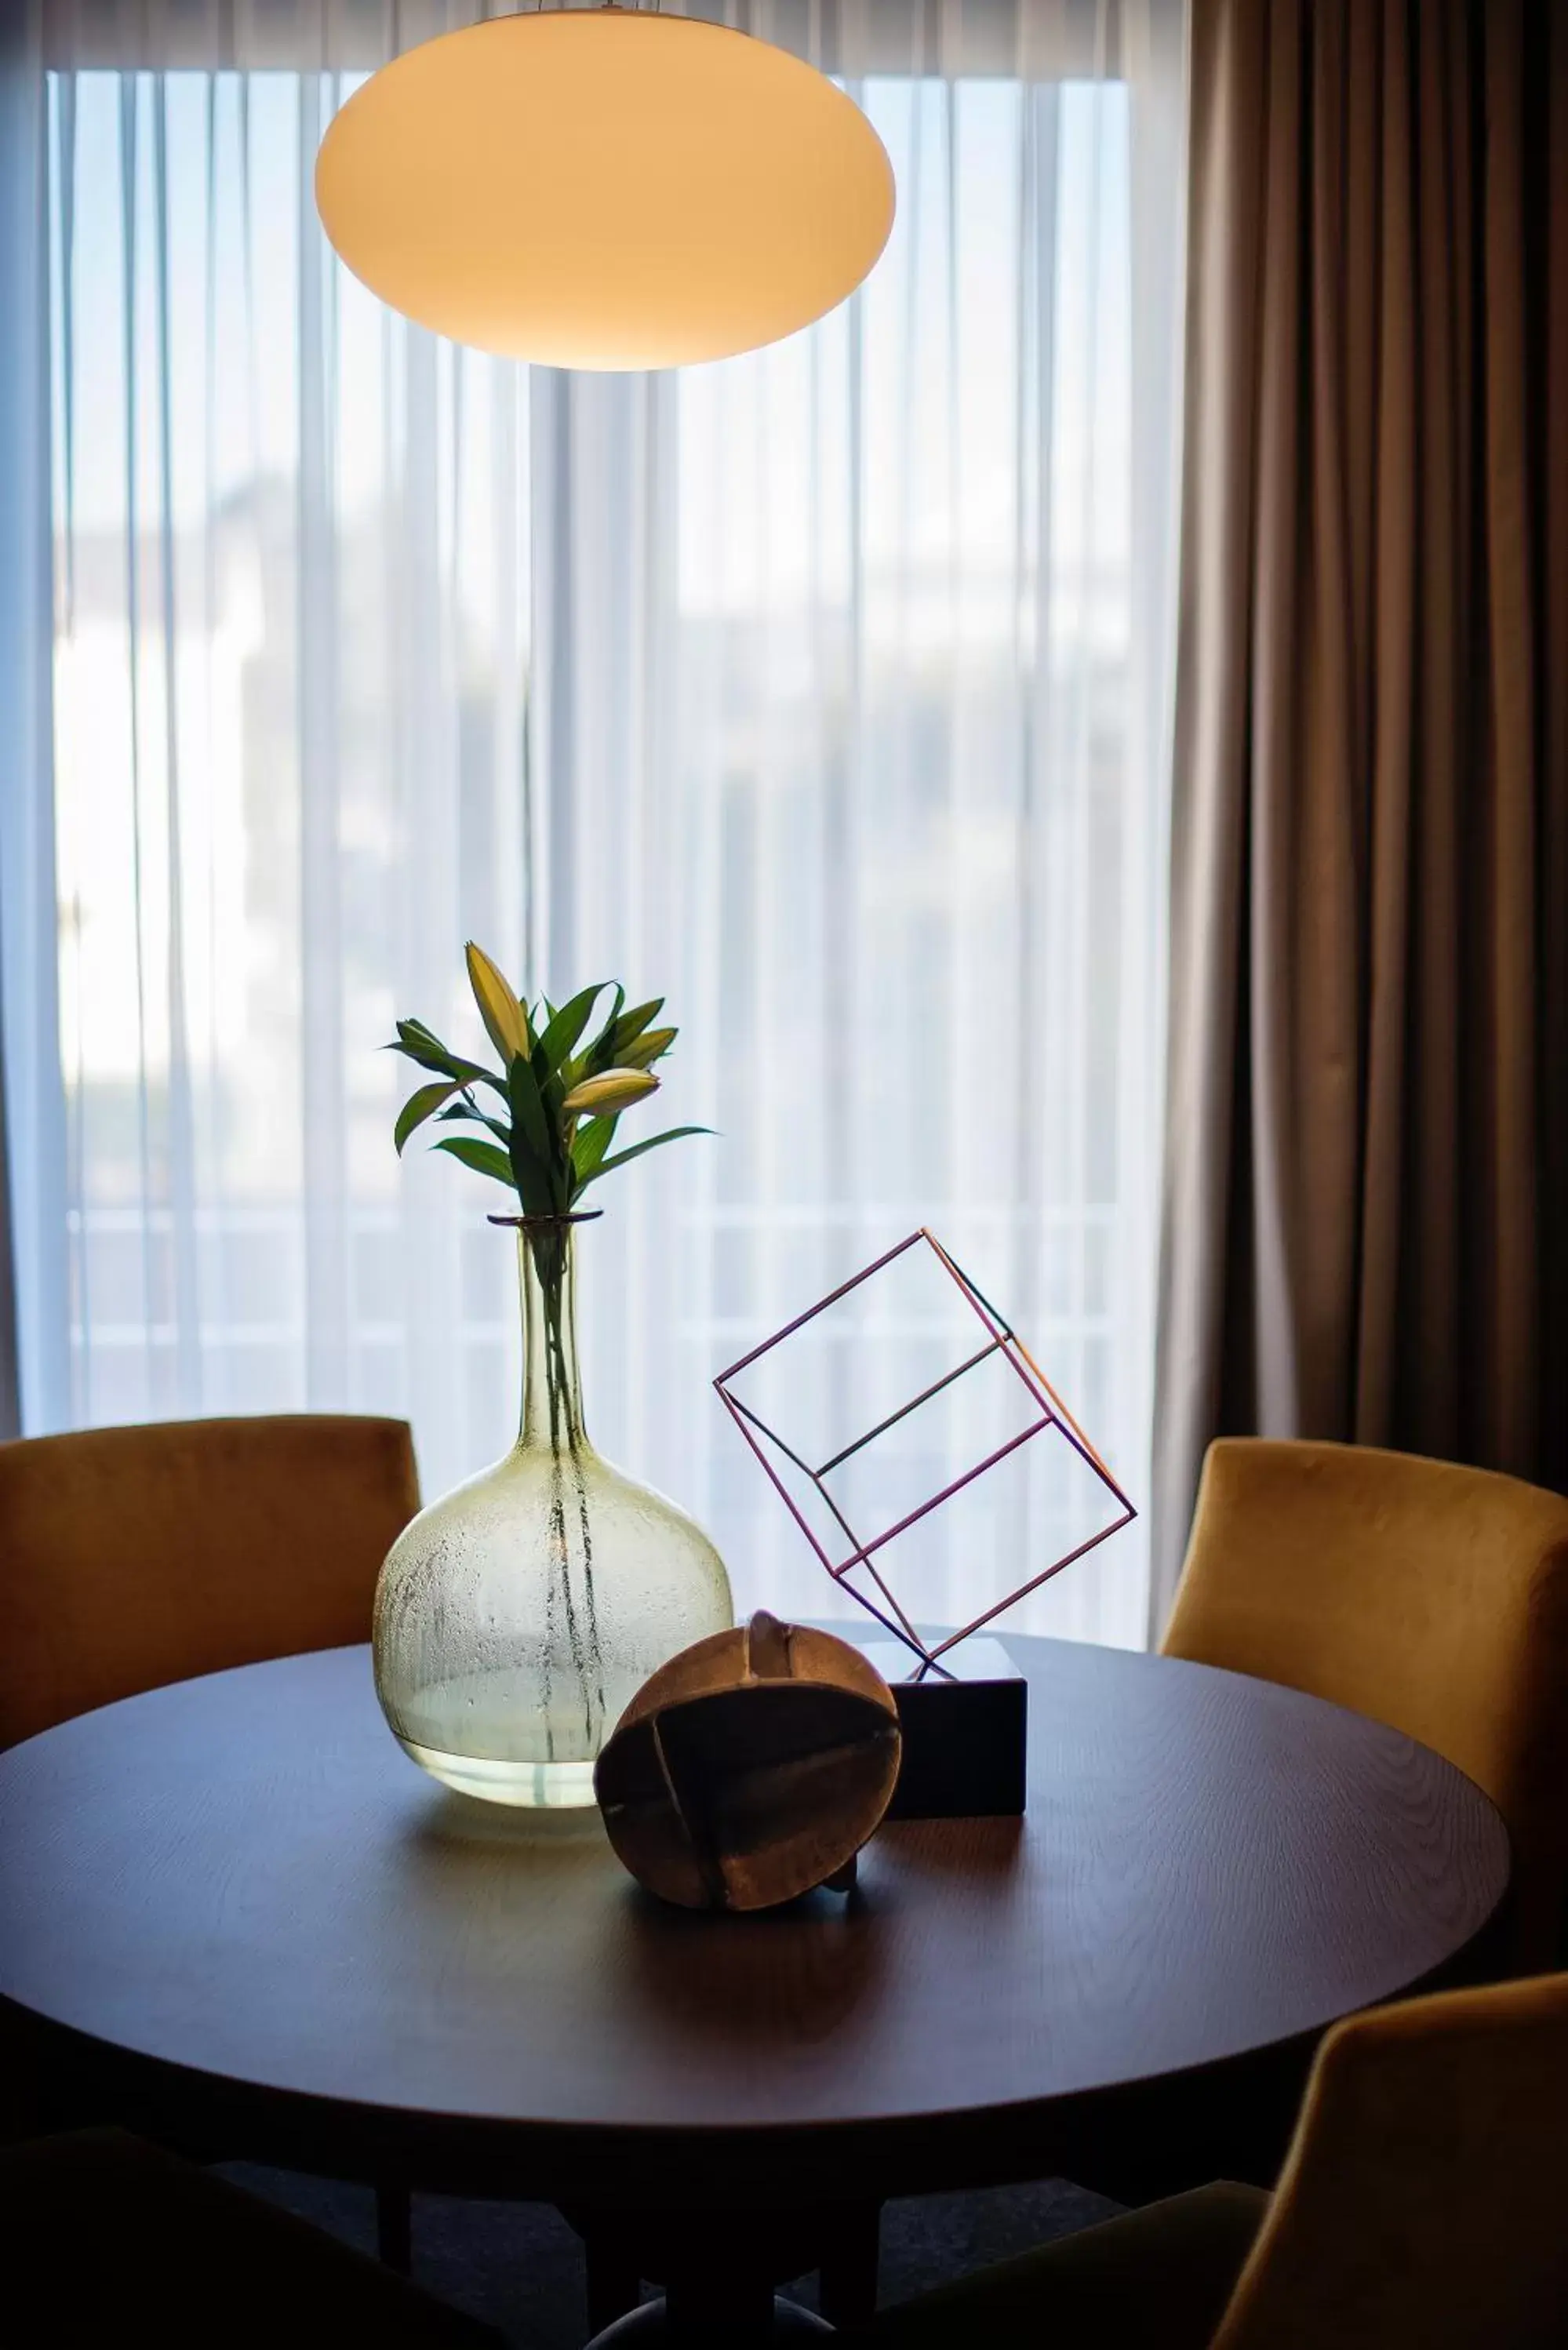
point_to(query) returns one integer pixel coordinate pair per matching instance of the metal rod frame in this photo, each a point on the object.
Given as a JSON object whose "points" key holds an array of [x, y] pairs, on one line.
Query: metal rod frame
{"points": [[1052, 1413]]}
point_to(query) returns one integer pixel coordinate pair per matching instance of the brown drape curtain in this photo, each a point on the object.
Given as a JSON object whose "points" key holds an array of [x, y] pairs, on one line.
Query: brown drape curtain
{"points": [[1366, 1181]]}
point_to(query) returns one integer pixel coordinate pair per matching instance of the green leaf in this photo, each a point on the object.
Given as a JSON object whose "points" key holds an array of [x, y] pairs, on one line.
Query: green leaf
{"points": [[541, 1182], [421, 1104], [427, 1051], [421, 1028], [552, 1088], [630, 1024], [471, 1110], [620, 1158], [416, 1042], [482, 1157], [560, 1038], [601, 1053], [528, 1109], [532, 1182], [588, 1148]]}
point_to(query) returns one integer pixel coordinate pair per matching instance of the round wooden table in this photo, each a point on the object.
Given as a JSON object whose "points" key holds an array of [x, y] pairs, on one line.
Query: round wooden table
{"points": [[254, 1928]]}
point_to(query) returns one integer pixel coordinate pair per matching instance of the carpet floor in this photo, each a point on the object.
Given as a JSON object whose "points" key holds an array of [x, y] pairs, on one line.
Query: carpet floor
{"points": [[519, 2265]]}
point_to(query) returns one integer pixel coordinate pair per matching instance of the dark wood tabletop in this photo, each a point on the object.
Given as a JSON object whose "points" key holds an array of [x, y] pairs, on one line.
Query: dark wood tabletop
{"points": [[239, 1899]]}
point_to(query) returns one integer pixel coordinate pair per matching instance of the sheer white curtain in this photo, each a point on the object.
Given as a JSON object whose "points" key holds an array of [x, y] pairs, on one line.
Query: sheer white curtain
{"points": [[824, 690]]}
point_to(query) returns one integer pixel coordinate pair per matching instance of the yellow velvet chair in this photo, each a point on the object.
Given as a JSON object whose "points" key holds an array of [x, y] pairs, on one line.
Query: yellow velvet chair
{"points": [[1421, 2207], [130, 1557], [1432, 1596]]}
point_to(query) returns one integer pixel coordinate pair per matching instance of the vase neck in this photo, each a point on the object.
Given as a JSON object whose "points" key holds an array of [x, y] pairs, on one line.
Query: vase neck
{"points": [[552, 1384]]}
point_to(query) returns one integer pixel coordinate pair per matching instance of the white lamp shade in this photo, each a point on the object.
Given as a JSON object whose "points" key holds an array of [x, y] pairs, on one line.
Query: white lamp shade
{"points": [[604, 187]]}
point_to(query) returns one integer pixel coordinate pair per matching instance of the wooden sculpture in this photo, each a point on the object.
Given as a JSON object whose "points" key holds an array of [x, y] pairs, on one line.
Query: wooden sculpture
{"points": [[751, 1768]]}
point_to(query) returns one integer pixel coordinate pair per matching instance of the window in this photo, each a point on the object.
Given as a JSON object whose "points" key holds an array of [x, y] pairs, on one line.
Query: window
{"points": [[822, 689]]}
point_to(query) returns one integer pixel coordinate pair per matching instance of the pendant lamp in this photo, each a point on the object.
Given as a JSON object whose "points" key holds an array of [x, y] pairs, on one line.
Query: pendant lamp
{"points": [[605, 187]]}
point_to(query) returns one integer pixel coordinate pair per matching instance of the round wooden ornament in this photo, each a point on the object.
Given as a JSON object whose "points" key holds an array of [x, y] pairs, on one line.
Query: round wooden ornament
{"points": [[751, 1768]]}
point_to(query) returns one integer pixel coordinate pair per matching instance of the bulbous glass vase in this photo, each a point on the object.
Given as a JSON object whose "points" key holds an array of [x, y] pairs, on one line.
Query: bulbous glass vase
{"points": [[517, 1617]]}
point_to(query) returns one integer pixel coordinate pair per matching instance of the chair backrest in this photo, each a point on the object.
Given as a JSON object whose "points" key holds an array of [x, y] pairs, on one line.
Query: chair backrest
{"points": [[1424, 2203], [1432, 1596], [134, 1556]]}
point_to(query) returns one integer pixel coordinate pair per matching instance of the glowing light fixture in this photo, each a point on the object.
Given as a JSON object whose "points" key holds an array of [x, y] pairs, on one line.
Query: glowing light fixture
{"points": [[605, 187]]}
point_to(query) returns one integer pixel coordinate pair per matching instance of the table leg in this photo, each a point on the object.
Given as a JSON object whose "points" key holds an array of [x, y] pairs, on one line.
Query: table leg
{"points": [[719, 2271], [395, 2229], [724, 2308], [846, 2278], [615, 2285]]}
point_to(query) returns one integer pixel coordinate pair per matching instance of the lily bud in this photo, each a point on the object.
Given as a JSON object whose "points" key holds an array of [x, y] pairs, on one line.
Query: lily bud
{"points": [[612, 1089], [503, 1016], [645, 1048]]}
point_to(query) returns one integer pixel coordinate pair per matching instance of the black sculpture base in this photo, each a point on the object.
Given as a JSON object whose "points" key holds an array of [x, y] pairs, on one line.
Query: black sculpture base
{"points": [[965, 1724]]}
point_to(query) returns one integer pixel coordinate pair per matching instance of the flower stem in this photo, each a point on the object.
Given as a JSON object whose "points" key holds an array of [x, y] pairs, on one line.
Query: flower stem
{"points": [[552, 1420]]}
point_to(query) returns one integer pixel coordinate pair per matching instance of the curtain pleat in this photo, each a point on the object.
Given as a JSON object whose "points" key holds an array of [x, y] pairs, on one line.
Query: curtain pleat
{"points": [[25, 619], [33, 1287], [1054, 41], [1366, 1155], [824, 690]]}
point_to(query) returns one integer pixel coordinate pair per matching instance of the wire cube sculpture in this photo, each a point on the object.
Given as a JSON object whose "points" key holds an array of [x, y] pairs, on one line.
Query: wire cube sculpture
{"points": [[1048, 1415]]}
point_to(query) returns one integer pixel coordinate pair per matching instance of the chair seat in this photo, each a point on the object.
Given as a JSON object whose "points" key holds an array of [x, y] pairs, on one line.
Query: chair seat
{"points": [[106, 2238], [1159, 2276], [1423, 1593]]}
